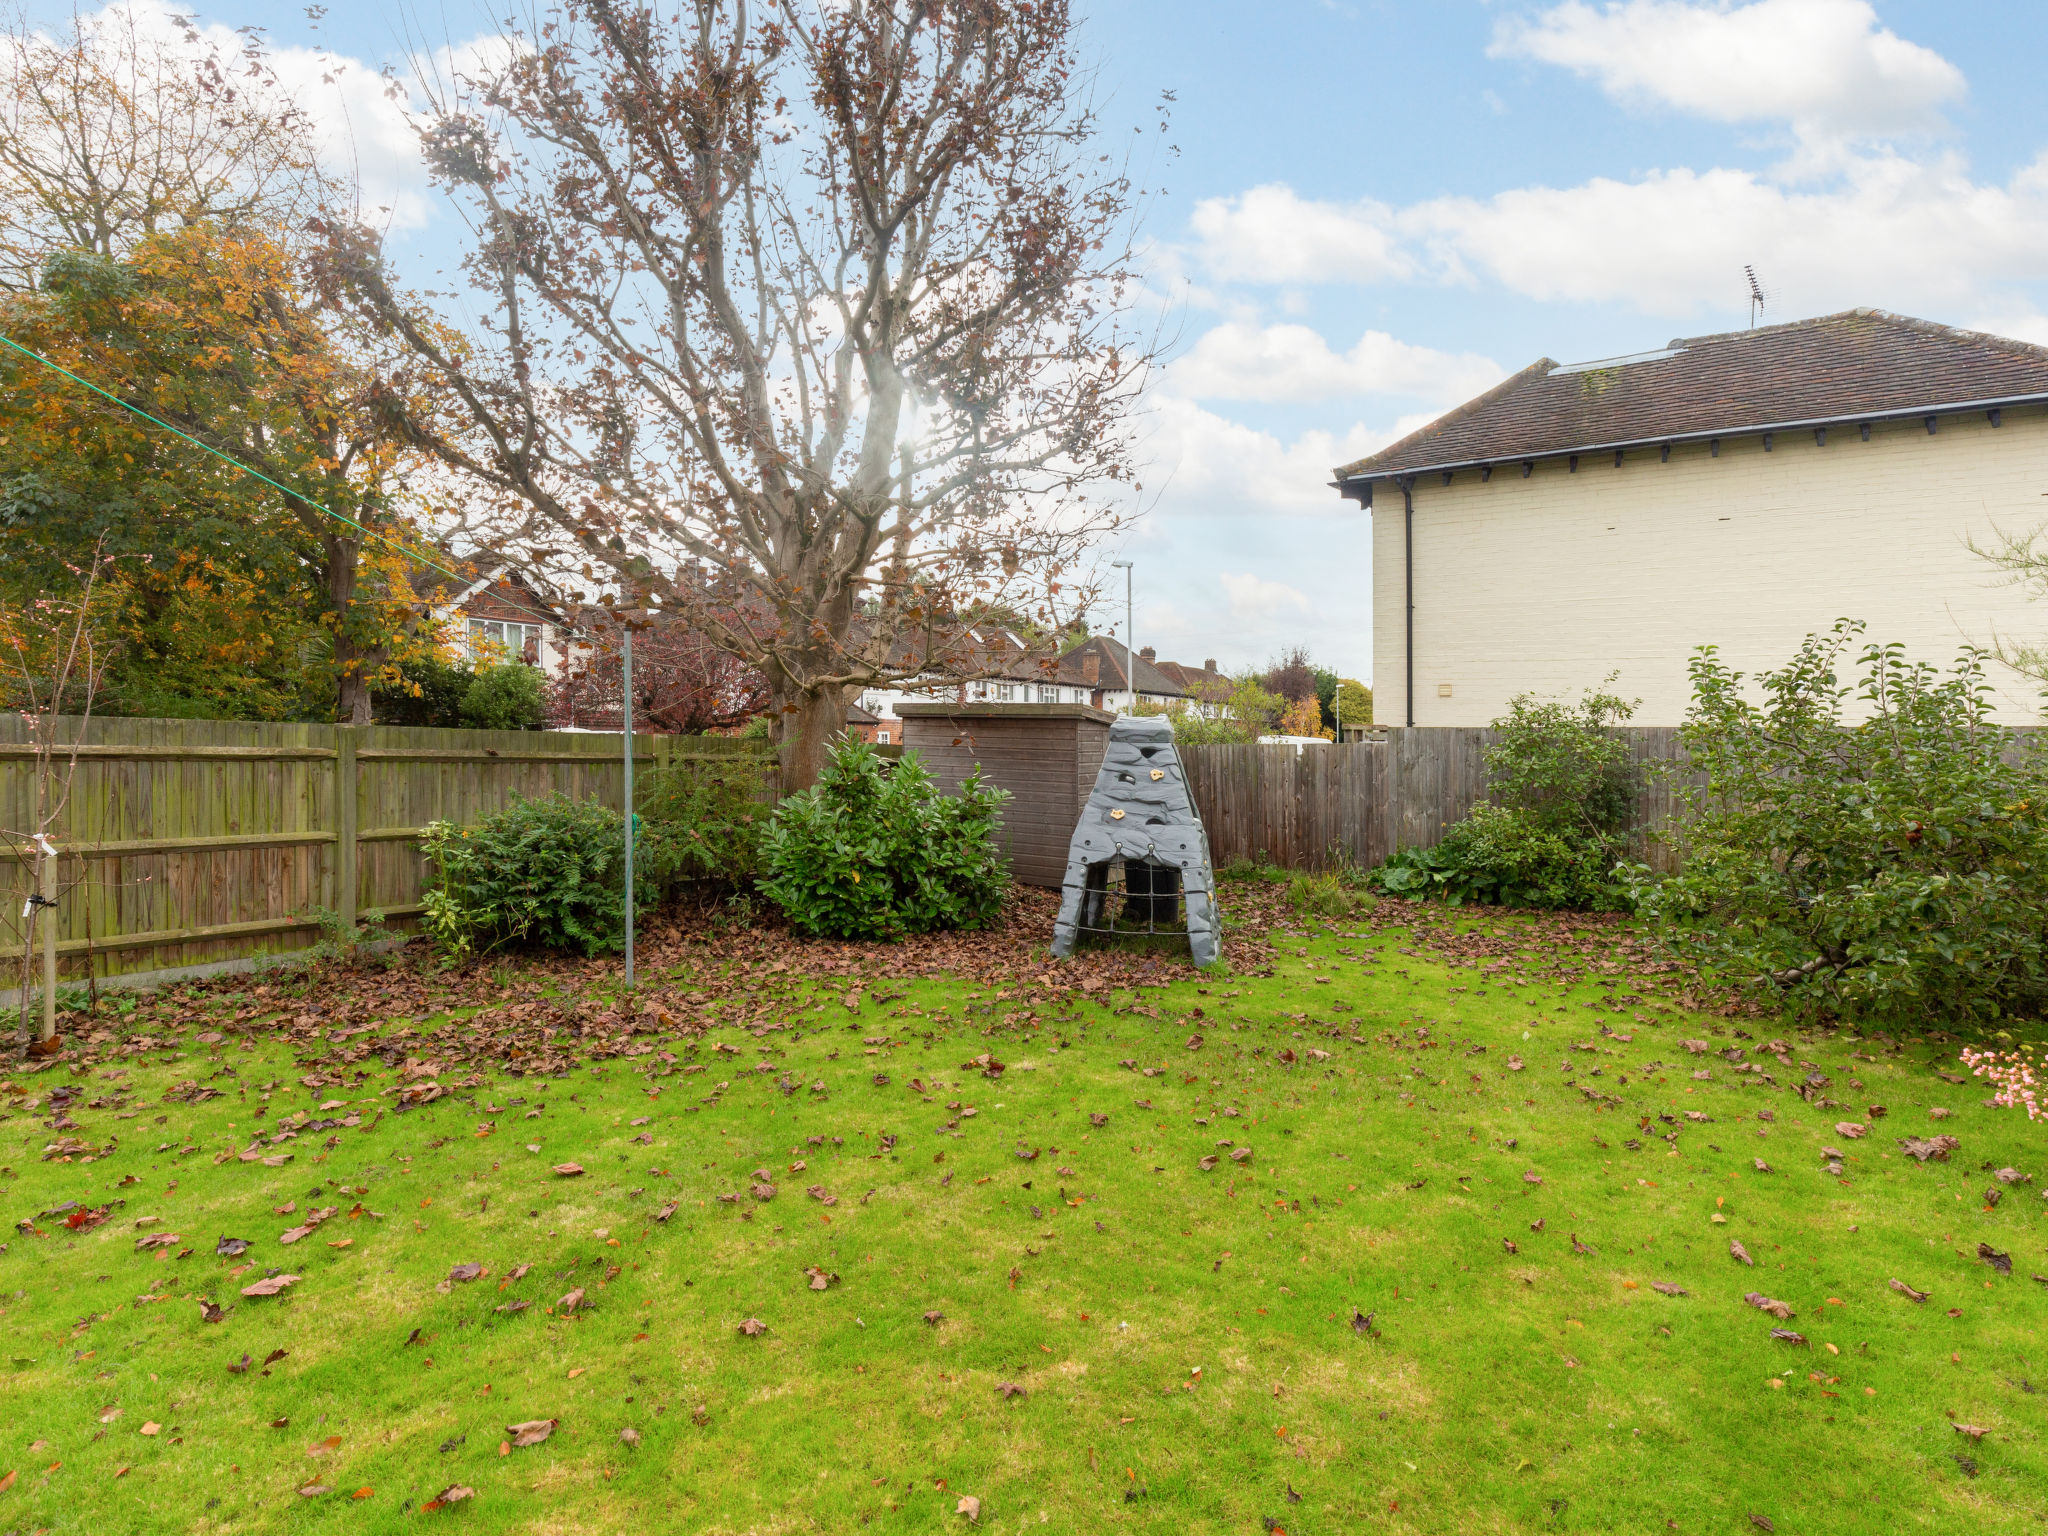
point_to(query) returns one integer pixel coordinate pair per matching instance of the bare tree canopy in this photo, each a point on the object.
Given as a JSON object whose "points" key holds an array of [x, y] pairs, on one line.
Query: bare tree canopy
{"points": [[827, 302], [112, 132]]}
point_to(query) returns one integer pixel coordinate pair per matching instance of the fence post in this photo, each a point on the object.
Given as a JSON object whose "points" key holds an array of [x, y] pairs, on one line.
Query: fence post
{"points": [[345, 826]]}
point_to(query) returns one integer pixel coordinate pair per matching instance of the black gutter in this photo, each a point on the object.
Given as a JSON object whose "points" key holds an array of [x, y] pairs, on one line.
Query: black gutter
{"points": [[1757, 429]]}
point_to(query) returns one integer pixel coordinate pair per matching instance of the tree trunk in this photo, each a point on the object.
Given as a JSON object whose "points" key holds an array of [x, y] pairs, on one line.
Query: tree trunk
{"points": [[352, 663], [811, 723]]}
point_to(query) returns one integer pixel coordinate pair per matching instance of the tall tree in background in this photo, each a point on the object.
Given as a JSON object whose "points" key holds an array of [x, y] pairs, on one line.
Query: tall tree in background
{"points": [[155, 199], [1293, 676], [112, 132], [829, 297], [212, 332]]}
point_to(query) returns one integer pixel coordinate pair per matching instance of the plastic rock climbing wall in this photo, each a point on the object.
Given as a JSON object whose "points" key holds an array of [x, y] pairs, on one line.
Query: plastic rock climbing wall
{"points": [[1139, 855]]}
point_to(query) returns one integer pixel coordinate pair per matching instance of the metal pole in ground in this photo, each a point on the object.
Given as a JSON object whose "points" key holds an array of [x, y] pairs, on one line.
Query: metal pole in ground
{"points": [[46, 884], [627, 694]]}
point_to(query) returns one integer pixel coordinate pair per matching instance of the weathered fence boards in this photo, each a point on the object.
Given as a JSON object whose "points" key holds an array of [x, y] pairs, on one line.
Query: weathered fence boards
{"points": [[187, 842], [1312, 807]]}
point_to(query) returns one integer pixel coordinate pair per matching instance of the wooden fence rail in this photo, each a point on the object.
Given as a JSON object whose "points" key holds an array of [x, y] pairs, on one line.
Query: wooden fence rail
{"points": [[191, 842], [1314, 807]]}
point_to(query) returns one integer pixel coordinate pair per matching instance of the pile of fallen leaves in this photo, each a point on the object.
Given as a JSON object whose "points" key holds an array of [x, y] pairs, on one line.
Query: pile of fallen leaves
{"points": [[551, 1015]]}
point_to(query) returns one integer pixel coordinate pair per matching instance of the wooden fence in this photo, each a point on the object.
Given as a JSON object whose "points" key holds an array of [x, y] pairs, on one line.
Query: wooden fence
{"points": [[191, 842], [1313, 807]]}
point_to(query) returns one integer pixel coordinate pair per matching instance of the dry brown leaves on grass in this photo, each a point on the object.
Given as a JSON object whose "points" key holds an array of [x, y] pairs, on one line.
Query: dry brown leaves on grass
{"points": [[543, 1020]]}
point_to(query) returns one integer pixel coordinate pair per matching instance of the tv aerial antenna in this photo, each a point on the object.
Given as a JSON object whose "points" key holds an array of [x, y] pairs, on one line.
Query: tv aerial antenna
{"points": [[1759, 296]]}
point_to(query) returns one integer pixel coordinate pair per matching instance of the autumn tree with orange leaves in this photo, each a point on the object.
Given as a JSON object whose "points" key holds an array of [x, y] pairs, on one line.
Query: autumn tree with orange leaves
{"points": [[832, 300], [212, 333]]}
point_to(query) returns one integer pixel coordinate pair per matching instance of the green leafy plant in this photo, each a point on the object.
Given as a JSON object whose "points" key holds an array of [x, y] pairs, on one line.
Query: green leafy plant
{"points": [[545, 872], [874, 851], [506, 696], [710, 813], [1561, 796], [1872, 848], [428, 692]]}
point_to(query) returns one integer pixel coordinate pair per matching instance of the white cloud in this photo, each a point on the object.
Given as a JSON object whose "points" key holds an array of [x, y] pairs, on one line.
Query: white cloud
{"points": [[1896, 232], [1913, 234], [1825, 66], [361, 129], [1271, 235], [1200, 463], [1242, 361], [1254, 597]]}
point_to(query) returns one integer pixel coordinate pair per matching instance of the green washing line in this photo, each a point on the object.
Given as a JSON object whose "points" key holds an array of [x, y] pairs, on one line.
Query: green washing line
{"points": [[224, 458]]}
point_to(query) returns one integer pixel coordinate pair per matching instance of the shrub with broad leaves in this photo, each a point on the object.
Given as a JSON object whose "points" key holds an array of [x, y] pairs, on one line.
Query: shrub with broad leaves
{"points": [[1871, 848], [545, 872], [1561, 797], [874, 851]]}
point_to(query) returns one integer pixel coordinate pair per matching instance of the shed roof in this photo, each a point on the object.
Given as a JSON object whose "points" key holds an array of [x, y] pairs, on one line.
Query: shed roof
{"points": [[1859, 364]]}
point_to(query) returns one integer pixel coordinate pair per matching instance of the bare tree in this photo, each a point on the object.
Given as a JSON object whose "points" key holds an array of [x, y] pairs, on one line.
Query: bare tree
{"points": [[112, 131], [832, 298], [54, 651]]}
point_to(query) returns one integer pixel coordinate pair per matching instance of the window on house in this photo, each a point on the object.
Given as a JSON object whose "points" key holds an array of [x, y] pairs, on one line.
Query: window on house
{"points": [[882, 738], [1006, 693], [521, 640]]}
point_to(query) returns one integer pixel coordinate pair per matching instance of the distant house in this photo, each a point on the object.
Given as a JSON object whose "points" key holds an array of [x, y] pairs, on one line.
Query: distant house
{"points": [[1001, 668], [1736, 490], [500, 615]]}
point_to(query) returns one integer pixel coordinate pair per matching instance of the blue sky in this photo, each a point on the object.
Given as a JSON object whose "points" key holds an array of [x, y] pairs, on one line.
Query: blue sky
{"points": [[1379, 208]]}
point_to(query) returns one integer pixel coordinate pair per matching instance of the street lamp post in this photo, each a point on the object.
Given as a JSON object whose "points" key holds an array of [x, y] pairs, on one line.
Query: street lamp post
{"points": [[1130, 639]]}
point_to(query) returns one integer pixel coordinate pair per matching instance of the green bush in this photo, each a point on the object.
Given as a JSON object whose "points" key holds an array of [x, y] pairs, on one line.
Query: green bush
{"points": [[1888, 869], [430, 693], [709, 815], [544, 872], [875, 852], [507, 696], [1561, 787]]}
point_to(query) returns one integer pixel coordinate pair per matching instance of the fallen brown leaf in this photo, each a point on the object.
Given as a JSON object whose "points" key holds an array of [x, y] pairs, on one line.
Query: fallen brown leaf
{"points": [[753, 1327], [1763, 1303], [271, 1287], [532, 1432]]}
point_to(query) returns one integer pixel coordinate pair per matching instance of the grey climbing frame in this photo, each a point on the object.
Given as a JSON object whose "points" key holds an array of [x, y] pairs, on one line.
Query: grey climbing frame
{"points": [[1138, 864]]}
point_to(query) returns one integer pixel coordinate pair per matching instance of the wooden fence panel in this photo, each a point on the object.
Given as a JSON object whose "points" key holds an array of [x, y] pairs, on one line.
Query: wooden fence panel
{"points": [[1313, 807], [193, 841]]}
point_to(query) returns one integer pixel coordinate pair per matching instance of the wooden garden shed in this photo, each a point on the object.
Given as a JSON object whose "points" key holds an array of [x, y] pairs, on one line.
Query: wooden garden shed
{"points": [[1045, 755]]}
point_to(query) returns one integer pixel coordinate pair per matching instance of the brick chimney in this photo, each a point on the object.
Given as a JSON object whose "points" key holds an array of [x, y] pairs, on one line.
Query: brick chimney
{"points": [[1091, 669], [1146, 653], [1208, 663]]}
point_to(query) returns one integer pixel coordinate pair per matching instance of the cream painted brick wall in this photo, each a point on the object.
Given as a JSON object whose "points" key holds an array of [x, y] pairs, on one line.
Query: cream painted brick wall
{"points": [[1546, 585]]}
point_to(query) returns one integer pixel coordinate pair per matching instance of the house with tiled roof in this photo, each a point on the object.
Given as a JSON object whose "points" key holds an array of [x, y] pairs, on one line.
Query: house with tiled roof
{"points": [[994, 665], [500, 615], [1738, 490]]}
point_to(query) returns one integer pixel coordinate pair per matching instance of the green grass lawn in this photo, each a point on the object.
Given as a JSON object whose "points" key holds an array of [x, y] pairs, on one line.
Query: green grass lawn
{"points": [[1184, 1339]]}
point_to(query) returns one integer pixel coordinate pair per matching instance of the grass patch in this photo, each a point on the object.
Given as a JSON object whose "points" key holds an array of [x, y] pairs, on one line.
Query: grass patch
{"points": [[1184, 1338]]}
